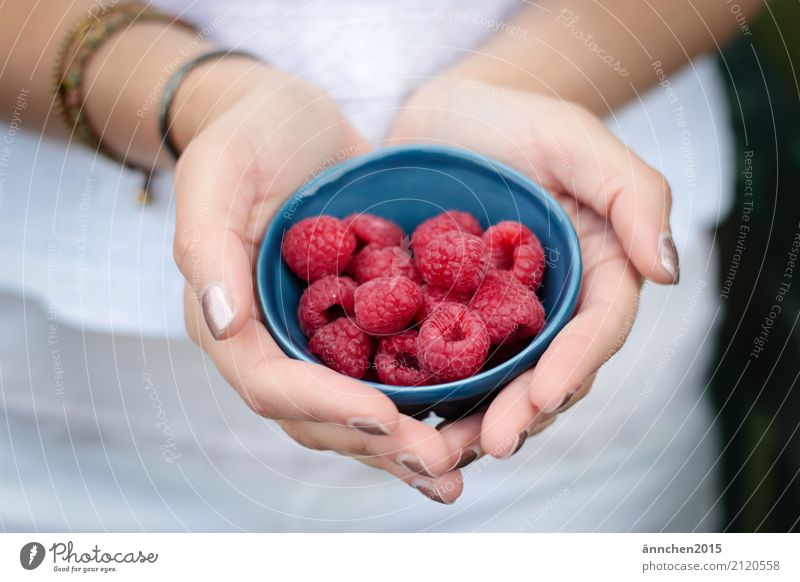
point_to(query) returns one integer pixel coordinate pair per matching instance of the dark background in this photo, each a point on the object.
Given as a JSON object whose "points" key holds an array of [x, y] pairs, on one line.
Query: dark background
{"points": [[758, 397]]}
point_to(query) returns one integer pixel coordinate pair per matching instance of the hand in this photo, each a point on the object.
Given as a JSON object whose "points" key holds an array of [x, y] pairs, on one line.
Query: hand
{"points": [[619, 206], [232, 177]]}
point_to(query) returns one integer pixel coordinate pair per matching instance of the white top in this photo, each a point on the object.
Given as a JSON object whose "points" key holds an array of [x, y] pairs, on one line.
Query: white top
{"points": [[86, 417], [74, 238]]}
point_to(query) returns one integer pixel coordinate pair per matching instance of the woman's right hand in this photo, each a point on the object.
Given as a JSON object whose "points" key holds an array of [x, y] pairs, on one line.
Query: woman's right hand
{"points": [[237, 170]]}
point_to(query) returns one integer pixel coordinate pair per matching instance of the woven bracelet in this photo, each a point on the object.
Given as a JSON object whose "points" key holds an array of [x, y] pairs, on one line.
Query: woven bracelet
{"points": [[174, 83]]}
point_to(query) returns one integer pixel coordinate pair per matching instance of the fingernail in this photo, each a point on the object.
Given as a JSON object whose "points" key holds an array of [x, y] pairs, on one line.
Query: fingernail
{"points": [[429, 490], [368, 425], [565, 402], [217, 309], [523, 436], [414, 463], [444, 423], [668, 256], [467, 456], [542, 425]]}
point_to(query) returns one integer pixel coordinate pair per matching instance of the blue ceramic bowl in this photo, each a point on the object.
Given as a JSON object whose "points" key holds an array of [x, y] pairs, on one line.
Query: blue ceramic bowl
{"points": [[408, 185]]}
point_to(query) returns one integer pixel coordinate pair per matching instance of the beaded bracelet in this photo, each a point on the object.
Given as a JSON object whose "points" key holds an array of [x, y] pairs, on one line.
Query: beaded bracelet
{"points": [[79, 46]]}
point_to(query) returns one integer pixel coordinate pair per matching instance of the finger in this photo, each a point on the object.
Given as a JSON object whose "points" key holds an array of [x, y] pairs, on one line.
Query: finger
{"points": [[576, 397], [607, 307], [381, 452], [464, 435], [608, 177], [445, 489], [212, 202], [511, 418], [277, 387]]}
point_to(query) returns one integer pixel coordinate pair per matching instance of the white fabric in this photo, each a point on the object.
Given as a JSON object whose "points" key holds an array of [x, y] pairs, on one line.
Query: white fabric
{"points": [[99, 268], [119, 433]]}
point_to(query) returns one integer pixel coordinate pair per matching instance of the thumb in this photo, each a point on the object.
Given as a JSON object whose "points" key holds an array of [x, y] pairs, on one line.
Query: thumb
{"points": [[612, 180], [212, 200]]}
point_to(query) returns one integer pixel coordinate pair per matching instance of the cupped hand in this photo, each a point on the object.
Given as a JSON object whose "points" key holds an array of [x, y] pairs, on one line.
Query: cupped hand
{"points": [[619, 205], [230, 180]]}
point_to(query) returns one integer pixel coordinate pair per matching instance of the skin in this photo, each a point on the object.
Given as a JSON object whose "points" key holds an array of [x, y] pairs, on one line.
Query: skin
{"points": [[251, 134]]}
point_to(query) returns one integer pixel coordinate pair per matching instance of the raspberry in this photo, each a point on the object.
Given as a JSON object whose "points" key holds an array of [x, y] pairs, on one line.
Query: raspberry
{"points": [[514, 248], [323, 301], [432, 297], [342, 346], [441, 223], [452, 343], [387, 305], [511, 311], [373, 262], [396, 361], [371, 229], [454, 260], [316, 247]]}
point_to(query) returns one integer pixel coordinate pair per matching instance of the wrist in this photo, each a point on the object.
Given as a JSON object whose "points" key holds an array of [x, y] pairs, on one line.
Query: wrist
{"points": [[212, 89], [209, 90], [123, 81]]}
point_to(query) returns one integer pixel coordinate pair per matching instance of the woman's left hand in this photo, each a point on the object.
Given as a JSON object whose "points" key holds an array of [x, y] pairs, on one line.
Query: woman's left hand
{"points": [[620, 208]]}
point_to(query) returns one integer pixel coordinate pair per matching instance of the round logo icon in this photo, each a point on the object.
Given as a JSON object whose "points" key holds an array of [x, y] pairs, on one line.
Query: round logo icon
{"points": [[31, 555]]}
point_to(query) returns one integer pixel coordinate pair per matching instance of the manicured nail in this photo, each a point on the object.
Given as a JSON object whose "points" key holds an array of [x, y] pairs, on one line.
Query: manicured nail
{"points": [[444, 423], [467, 456], [368, 425], [523, 436], [565, 403], [217, 309], [542, 425], [414, 463], [429, 490], [668, 256]]}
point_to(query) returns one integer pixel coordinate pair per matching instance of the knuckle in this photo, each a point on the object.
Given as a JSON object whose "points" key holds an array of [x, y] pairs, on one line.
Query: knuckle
{"points": [[656, 181], [301, 436], [184, 248], [264, 408], [258, 403], [361, 448]]}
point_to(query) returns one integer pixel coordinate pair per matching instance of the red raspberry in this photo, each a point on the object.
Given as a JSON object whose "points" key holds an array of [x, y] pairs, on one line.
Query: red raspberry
{"points": [[454, 260], [441, 223], [514, 248], [387, 305], [323, 301], [396, 361], [373, 262], [342, 346], [452, 343], [511, 311], [316, 247], [432, 297], [370, 229]]}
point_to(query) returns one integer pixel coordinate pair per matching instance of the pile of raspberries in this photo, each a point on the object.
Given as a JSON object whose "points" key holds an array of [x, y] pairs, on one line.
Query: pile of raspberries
{"points": [[451, 301]]}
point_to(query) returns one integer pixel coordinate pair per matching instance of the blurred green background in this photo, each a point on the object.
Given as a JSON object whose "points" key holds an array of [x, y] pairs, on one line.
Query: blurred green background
{"points": [[758, 397]]}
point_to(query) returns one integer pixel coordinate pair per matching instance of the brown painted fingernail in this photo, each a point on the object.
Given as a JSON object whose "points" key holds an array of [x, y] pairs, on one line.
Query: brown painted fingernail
{"points": [[370, 426], [414, 463], [523, 436], [668, 257], [217, 309], [565, 402], [429, 490], [444, 423], [542, 425], [467, 456]]}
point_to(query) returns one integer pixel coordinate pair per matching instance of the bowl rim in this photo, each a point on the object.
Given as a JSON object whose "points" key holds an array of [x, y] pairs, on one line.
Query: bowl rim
{"points": [[458, 389]]}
